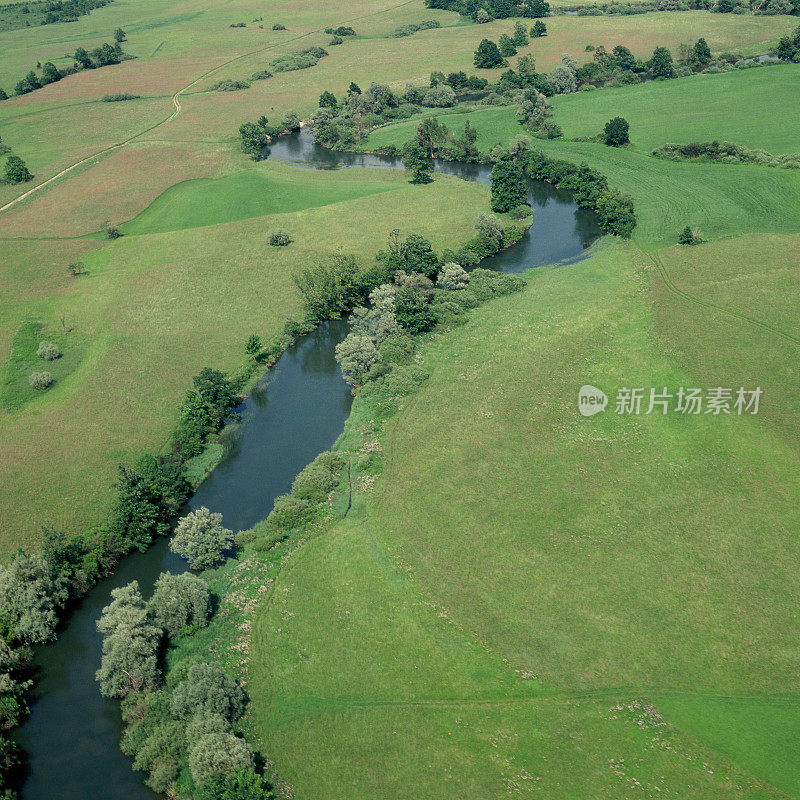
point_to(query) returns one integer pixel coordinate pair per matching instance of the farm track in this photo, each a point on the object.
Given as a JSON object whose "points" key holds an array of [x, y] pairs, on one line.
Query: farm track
{"points": [[177, 106]]}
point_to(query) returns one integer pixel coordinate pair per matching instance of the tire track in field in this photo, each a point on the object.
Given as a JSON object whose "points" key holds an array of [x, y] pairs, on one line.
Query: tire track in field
{"points": [[694, 299], [178, 107]]}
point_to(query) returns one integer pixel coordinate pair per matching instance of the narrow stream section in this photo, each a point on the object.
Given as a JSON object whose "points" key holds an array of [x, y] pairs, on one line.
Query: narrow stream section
{"points": [[296, 412]]}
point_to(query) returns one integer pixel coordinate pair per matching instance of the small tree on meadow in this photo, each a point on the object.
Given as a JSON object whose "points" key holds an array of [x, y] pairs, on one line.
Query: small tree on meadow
{"points": [[253, 345], [615, 132], [488, 55], [506, 46], [520, 37], [120, 35], [538, 29], [16, 171], [201, 539]]}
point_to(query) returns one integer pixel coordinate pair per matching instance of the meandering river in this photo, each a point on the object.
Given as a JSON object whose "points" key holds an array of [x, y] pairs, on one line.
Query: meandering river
{"points": [[296, 412]]}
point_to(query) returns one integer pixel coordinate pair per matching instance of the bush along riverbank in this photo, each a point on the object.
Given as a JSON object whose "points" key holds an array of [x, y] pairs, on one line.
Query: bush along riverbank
{"points": [[187, 725]]}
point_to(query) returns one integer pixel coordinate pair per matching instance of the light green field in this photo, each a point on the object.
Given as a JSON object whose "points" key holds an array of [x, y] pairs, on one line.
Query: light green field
{"points": [[506, 538], [722, 199], [156, 308]]}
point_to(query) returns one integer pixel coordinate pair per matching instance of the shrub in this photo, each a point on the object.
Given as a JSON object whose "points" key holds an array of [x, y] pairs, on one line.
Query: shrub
{"points": [[279, 238], [229, 85], [243, 784], [119, 97], [288, 512], [452, 277], [302, 59], [219, 754], [207, 689], [112, 232], [261, 75], [49, 351], [317, 480], [40, 380], [201, 539], [439, 96], [615, 132], [278, 27]]}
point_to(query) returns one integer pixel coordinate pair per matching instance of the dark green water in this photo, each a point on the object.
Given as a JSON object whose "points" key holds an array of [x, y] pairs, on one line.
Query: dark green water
{"points": [[299, 410]]}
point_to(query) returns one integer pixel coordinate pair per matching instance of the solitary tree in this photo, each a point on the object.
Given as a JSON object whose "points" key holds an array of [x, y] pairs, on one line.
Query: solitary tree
{"points": [[520, 37], [201, 539], [488, 55], [538, 29], [418, 162], [16, 171], [615, 132], [119, 36], [253, 345]]}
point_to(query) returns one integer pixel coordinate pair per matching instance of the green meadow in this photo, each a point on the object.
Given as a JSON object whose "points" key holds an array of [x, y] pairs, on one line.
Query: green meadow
{"points": [[155, 307]]}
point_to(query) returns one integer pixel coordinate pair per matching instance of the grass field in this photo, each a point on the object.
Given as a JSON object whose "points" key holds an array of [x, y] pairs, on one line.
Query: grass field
{"points": [[155, 308], [503, 540], [532, 603]]}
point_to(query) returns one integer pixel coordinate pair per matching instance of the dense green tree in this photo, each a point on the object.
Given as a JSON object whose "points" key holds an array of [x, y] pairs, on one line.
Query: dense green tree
{"points": [[16, 171], [3, 95], [417, 160], [328, 100], [253, 345], [201, 539], [354, 88], [208, 689], [615, 132], [330, 288], [412, 312], [539, 8], [538, 29], [49, 73], [30, 598], [150, 494], [623, 58], [509, 187], [506, 46], [82, 58], [661, 64], [488, 55], [216, 390], [616, 213], [701, 53], [179, 601], [415, 254], [254, 138], [520, 37]]}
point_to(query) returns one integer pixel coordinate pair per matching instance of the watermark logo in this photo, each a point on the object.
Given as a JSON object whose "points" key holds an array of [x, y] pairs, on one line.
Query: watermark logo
{"points": [[591, 400], [716, 400]]}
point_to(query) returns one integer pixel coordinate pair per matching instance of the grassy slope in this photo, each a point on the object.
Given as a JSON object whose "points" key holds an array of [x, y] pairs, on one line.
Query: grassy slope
{"points": [[156, 308], [474, 527], [617, 559]]}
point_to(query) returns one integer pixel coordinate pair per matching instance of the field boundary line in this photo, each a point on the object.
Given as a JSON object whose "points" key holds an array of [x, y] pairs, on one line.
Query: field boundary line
{"points": [[668, 282]]}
